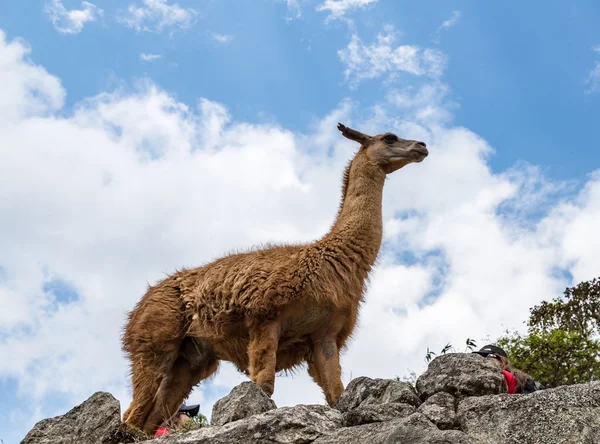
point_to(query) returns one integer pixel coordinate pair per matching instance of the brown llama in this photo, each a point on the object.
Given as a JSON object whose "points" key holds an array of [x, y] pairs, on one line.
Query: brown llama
{"points": [[266, 310]]}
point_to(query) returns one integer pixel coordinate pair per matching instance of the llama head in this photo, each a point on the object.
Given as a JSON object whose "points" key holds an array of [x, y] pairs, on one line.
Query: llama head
{"points": [[387, 150]]}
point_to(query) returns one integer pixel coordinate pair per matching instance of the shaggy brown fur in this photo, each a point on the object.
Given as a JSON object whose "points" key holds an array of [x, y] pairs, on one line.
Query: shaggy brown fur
{"points": [[266, 310]]}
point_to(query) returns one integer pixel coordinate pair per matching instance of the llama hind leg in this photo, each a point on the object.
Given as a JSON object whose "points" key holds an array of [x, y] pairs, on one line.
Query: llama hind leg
{"points": [[144, 385], [324, 367], [146, 374], [187, 371], [151, 340], [262, 355]]}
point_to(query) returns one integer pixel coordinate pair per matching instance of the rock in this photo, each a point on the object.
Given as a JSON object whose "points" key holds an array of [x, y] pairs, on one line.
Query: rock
{"points": [[364, 391], [461, 374], [95, 421], [441, 410], [246, 399], [376, 413], [371, 411], [415, 429], [287, 425], [567, 414]]}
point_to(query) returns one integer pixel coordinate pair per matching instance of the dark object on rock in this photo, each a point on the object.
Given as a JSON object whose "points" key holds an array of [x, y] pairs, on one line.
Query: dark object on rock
{"points": [[568, 414], [377, 413], [365, 391], [244, 400], [491, 350], [415, 429], [461, 374], [531, 385], [287, 425], [441, 410], [95, 421], [190, 410]]}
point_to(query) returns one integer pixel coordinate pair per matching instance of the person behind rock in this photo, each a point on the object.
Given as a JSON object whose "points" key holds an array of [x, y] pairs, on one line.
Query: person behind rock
{"points": [[517, 380], [184, 414]]}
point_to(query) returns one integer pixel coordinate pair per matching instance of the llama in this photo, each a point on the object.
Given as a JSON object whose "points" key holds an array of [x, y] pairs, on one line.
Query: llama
{"points": [[266, 310]]}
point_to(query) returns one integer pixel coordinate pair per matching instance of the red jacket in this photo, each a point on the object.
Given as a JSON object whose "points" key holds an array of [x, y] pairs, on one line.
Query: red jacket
{"points": [[511, 382]]}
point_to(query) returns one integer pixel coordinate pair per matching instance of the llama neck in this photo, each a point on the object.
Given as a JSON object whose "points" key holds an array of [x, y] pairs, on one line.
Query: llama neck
{"points": [[358, 229]]}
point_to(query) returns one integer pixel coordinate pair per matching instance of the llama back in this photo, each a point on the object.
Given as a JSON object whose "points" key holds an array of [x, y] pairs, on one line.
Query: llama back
{"points": [[257, 283], [260, 283]]}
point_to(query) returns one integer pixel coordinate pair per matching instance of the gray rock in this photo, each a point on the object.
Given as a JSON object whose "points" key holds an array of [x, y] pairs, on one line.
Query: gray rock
{"points": [[461, 374], [287, 425], [415, 429], [372, 411], [568, 414], [96, 421], [441, 410], [376, 413], [364, 391], [246, 399]]}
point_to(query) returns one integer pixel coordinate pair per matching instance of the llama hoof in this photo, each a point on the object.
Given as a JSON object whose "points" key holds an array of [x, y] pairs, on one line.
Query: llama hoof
{"points": [[333, 400], [268, 388]]}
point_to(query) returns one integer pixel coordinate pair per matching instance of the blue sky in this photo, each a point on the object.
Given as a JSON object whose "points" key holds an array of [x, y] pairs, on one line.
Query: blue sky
{"points": [[506, 97], [518, 73]]}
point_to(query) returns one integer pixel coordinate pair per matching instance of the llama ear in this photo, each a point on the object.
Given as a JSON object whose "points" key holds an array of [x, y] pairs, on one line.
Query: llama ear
{"points": [[351, 134]]}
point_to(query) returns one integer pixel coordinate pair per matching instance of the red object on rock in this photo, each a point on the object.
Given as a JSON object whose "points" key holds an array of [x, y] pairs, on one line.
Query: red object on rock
{"points": [[511, 382], [162, 431]]}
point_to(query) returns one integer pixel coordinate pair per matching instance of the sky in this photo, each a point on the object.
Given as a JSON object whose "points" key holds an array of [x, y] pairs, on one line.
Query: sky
{"points": [[143, 136]]}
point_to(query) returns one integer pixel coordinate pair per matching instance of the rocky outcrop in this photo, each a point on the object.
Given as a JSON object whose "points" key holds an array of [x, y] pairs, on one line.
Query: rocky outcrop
{"points": [[367, 400], [460, 407], [97, 421], [376, 413], [365, 391], [441, 410], [461, 374], [246, 399], [415, 429], [568, 414], [288, 425]]}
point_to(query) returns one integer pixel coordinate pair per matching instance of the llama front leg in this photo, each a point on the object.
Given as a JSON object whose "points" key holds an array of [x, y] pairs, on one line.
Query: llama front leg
{"points": [[324, 367], [262, 355]]}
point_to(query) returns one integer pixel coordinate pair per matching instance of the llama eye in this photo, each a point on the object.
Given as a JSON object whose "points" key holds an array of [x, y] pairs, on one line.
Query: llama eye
{"points": [[390, 138]]}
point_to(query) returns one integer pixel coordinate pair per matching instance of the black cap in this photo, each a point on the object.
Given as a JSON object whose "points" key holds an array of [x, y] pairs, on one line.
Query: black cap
{"points": [[191, 410], [489, 349]]}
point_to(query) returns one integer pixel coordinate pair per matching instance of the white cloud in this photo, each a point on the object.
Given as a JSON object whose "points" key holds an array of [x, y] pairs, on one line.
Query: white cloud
{"points": [[133, 184], [156, 15], [71, 22], [338, 8], [594, 76], [428, 103], [149, 57], [221, 38], [27, 89], [452, 21], [447, 24], [383, 58], [294, 9]]}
